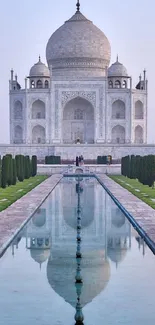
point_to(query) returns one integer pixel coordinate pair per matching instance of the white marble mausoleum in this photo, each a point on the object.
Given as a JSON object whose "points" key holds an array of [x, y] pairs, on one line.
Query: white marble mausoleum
{"points": [[78, 97]]}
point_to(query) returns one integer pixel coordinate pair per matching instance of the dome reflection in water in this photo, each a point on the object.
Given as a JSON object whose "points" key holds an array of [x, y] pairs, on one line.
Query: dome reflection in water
{"points": [[80, 217]]}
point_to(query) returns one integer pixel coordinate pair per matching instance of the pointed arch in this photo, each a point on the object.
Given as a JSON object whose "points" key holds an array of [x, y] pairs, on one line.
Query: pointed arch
{"points": [[39, 84], [38, 110], [124, 85], [118, 134], [38, 134], [139, 112], [18, 110], [117, 84], [18, 134], [139, 134], [118, 109], [110, 84], [78, 121], [46, 84]]}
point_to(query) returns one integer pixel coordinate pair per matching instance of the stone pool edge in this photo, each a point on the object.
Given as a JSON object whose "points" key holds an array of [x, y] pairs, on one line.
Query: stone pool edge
{"points": [[17, 215], [140, 215]]}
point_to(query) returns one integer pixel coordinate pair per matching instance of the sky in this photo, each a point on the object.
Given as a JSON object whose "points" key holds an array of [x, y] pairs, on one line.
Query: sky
{"points": [[25, 27]]}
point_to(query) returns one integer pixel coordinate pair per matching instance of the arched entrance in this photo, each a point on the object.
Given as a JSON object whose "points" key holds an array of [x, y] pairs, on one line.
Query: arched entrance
{"points": [[38, 134], [118, 134], [118, 110], [138, 110], [38, 109], [18, 134], [78, 121], [139, 134]]}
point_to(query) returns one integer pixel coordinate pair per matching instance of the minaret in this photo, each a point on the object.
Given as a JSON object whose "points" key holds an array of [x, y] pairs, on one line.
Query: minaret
{"points": [[79, 318]]}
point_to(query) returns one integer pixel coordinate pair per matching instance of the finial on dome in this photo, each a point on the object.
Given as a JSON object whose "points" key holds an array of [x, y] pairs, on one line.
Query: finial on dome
{"points": [[39, 58], [117, 58], [78, 5]]}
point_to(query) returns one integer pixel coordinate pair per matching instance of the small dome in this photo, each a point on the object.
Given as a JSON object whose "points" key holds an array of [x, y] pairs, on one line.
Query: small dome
{"points": [[78, 43], [40, 255], [117, 255], [117, 69], [39, 69]]}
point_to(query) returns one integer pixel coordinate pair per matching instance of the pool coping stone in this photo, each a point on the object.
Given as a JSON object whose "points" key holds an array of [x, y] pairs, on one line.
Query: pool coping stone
{"points": [[16, 216], [140, 214]]}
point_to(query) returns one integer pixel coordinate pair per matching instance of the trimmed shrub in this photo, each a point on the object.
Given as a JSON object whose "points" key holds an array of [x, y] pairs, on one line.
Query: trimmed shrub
{"points": [[9, 170], [132, 167], [21, 166], [34, 166], [4, 172], [14, 179], [53, 160], [27, 167]]}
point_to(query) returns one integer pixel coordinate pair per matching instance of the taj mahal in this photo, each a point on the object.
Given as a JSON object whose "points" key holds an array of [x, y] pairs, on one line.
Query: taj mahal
{"points": [[78, 102]]}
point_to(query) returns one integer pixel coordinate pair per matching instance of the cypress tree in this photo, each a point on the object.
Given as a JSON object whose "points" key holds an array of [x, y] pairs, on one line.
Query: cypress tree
{"points": [[0, 170], [34, 165], [14, 179], [128, 166], [4, 172], [137, 166], [151, 171], [122, 166], [10, 170], [27, 170], [144, 175], [21, 168], [141, 170], [17, 158], [132, 167]]}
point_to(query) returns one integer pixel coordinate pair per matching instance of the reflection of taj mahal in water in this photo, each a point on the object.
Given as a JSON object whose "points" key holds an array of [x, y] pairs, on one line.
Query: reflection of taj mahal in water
{"points": [[51, 237]]}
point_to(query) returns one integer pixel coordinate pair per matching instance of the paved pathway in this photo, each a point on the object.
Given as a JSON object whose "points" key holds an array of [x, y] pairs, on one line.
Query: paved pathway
{"points": [[143, 214], [21, 211]]}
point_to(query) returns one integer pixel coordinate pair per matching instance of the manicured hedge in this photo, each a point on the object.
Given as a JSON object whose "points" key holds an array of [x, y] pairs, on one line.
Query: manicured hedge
{"points": [[141, 168], [18, 168], [104, 160], [53, 160], [34, 166]]}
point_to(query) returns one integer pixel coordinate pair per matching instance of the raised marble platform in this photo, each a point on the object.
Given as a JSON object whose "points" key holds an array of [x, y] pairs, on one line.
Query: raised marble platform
{"points": [[69, 152], [64, 169]]}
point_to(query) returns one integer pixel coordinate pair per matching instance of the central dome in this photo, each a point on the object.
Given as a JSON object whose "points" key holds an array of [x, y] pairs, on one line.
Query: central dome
{"points": [[78, 43]]}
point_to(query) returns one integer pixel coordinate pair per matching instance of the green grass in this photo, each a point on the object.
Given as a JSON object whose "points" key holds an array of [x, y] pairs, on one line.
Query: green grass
{"points": [[14, 192], [144, 189]]}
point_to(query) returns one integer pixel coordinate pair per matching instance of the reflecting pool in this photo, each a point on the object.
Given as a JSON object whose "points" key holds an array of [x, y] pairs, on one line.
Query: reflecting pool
{"points": [[44, 280]]}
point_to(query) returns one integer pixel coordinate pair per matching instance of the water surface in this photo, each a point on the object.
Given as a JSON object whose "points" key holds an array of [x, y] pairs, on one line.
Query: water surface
{"points": [[37, 273]]}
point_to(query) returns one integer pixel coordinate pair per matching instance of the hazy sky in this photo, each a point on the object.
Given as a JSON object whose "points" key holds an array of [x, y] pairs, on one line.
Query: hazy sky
{"points": [[25, 27]]}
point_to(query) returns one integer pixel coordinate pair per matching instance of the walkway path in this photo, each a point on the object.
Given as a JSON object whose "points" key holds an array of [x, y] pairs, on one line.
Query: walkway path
{"points": [[143, 214], [21, 211]]}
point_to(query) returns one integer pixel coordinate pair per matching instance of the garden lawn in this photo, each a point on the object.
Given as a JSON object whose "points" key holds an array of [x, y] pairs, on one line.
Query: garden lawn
{"points": [[143, 192], [12, 193]]}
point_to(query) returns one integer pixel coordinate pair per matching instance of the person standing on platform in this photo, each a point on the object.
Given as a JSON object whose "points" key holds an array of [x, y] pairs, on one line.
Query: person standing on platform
{"points": [[79, 160]]}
